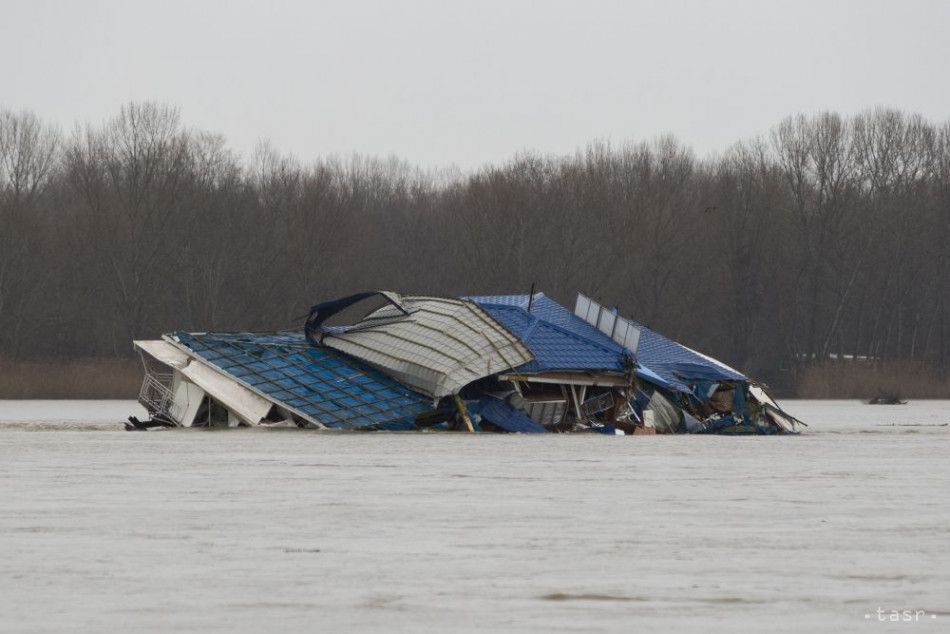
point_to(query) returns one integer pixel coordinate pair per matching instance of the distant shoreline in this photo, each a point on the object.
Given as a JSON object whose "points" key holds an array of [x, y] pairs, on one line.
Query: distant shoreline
{"points": [[113, 378]]}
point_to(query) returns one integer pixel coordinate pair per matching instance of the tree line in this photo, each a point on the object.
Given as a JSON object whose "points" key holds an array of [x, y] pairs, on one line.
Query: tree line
{"points": [[827, 238]]}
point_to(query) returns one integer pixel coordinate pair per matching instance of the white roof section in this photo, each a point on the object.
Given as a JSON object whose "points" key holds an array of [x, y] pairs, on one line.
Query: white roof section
{"points": [[439, 347], [162, 351], [239, 400]]}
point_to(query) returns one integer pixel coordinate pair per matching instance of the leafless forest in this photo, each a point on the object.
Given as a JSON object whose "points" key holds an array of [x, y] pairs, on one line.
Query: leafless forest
{"points": [[824, 243]]}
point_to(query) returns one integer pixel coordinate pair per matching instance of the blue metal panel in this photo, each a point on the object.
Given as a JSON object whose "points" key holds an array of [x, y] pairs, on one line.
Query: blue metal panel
{"points": [[677, 364], [661, 360], [334, 389], [508, 418], [558, 339]]}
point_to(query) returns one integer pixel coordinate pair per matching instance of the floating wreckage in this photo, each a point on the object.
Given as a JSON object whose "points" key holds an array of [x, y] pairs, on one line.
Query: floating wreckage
{"points": [[500, 363]]}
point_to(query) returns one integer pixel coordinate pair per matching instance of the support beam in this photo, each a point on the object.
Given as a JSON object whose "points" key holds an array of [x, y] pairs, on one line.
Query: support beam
{"points": [[460, 405], [570, 378], [577, 403]]}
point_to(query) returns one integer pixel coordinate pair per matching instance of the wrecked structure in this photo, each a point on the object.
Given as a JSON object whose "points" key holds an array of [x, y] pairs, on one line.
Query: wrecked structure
{"points": [[503, 363]]}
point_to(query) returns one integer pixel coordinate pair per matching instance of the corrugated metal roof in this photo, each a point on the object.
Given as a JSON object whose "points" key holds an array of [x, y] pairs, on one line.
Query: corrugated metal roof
{"points": [[440, 346], [319, 384], [558, 339]]}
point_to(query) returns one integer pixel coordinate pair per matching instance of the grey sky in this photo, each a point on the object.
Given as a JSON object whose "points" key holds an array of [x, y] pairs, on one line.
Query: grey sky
{"points": [[447, 82]]}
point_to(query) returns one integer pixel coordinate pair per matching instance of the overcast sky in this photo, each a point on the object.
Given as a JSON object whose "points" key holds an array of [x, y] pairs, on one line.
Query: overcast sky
{"points": [[466, 83]]}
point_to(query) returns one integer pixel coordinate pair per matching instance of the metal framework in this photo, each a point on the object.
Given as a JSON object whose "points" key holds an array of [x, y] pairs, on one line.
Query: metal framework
{"points": [[156, 393]]}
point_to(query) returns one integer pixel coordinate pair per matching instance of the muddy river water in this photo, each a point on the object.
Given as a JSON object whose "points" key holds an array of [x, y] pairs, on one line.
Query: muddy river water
{"points": [[264, 530]]}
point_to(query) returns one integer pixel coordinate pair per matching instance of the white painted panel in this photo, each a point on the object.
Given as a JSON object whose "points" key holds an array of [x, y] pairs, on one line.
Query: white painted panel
{"points": [[606, 322], [239, 400], [163, 351], [582, 306], [186, 401]]}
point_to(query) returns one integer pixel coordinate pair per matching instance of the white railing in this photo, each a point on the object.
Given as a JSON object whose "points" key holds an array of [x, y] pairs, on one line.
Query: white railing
{"points": [[156, 393], [608, 322]]}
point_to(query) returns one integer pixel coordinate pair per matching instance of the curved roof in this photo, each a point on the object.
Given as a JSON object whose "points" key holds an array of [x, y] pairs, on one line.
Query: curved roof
{"points": [[432, 344]]}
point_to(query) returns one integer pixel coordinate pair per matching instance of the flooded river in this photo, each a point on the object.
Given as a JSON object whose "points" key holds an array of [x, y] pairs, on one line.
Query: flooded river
{"points": [[263, 530]]}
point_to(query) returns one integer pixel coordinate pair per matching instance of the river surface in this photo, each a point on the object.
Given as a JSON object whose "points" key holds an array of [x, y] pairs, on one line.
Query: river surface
{"points": [[289, 530]]}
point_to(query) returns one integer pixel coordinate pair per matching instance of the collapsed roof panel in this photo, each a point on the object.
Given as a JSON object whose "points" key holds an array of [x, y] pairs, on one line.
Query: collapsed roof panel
{"points": [[678, 365], [242, 402], [318, 384], [434, 345], [165, 394], [508, 418], [558, 339]]}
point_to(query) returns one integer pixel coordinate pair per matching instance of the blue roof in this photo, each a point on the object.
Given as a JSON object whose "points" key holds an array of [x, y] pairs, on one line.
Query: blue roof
{"points": [[677, 364], [332, 388], [558, 339]]}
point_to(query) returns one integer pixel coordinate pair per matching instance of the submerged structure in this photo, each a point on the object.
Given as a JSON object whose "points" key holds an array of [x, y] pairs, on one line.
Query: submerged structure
{"points": [[502, 363]]}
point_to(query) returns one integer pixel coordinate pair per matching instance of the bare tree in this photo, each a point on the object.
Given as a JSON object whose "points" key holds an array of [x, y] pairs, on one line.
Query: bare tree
{"points": [[828, 238], [28, 156], [129, 176]]}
